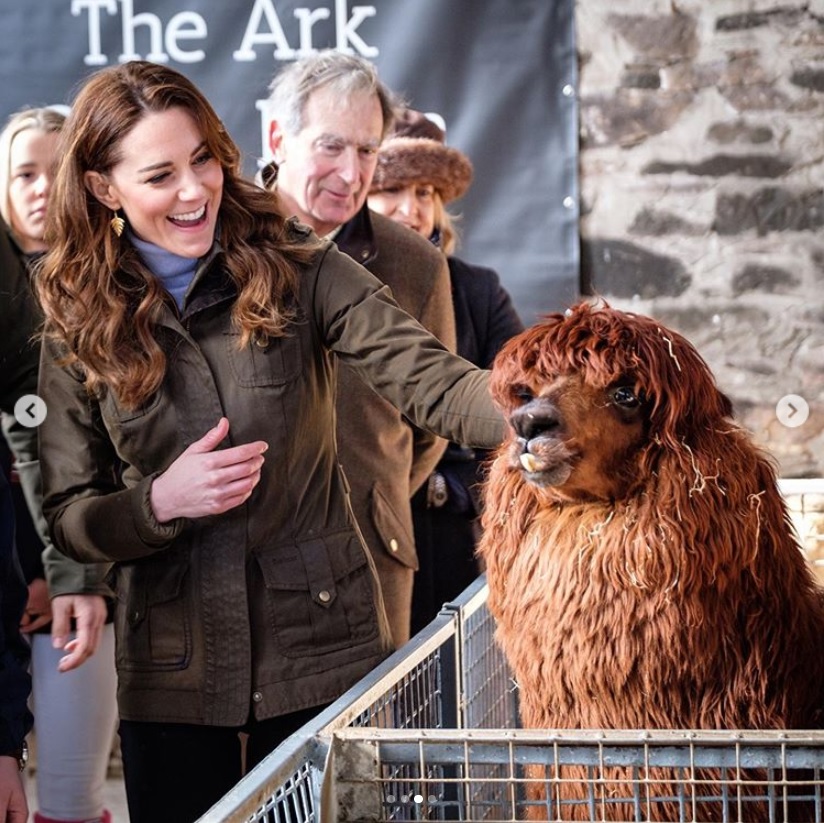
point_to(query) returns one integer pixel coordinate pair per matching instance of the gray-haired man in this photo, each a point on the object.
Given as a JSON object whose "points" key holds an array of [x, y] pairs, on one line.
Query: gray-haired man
{"points": [[329, 113]]}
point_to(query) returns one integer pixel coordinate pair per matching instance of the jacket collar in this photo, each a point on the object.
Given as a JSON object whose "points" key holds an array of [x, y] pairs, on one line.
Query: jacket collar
{"points": [[211, 284], [356, 237]]}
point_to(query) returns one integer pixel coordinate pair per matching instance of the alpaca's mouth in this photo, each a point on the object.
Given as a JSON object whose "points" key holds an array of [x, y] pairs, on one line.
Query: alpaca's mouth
{"points": [[529, 462], [542, 462]]}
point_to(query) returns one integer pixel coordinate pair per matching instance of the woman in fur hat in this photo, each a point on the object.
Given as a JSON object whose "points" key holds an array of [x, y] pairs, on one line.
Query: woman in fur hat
{"points": [[416, 177]]}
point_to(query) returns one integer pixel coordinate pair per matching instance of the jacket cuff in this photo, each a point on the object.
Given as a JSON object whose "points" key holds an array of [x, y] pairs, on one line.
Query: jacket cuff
{"points": [[67, 576], [149, 530]]}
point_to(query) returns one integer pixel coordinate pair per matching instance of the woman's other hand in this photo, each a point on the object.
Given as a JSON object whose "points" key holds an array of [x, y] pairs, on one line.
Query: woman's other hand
{"points": [[89, 613], [206, 480]]}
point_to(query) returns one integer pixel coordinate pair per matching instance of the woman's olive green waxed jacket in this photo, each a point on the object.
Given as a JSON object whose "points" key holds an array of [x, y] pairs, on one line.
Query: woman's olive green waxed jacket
{"points": [[274, 604]]}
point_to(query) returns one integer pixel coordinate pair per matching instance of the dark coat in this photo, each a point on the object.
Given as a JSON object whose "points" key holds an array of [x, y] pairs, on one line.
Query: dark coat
{"points": [[385, 458], [485, 319], [20, 319], [18, 376], [15, 682], [274, 604]]}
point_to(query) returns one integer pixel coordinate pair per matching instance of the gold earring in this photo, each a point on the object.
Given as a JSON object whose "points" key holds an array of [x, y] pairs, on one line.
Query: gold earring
{"points": [[117, 224]]}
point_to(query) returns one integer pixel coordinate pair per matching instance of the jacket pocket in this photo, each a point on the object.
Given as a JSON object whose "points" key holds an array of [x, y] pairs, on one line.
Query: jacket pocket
{"points": [[152, 616], [398, 541], [321, 595], [277, 363]]}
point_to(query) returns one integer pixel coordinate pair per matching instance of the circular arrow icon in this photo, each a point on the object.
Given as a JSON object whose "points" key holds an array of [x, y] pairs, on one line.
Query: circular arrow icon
{"points": [[792, 411], [30, 411]]}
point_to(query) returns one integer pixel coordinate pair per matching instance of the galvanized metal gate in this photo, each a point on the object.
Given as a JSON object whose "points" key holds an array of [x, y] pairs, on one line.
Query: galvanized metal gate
{"points": [[431, 734]]}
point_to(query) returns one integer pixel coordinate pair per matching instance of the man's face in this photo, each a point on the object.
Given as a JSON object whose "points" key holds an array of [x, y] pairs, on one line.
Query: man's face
{"points": [[326, 169]]}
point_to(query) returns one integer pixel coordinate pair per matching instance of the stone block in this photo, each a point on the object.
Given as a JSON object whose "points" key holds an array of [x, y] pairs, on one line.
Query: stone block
{"points": [[765, 279], [629, 117], [785, 16], [662, 37], [615, 267], [808, 78], [720, 165], [739, 131], [770, 209], [653, 223]]}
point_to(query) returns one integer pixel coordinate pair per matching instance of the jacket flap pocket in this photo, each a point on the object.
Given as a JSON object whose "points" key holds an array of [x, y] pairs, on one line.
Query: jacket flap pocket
{"points": [[141, 585], [277, 363], [398, 541], [281, 571], [314, 568]]}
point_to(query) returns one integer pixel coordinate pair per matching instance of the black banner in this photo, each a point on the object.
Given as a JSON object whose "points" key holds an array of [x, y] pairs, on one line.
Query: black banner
{"points": [[501, 73]]}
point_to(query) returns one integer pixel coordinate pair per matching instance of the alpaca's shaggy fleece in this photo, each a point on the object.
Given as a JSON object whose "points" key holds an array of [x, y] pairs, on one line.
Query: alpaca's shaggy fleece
{"points": [[642, 567]]}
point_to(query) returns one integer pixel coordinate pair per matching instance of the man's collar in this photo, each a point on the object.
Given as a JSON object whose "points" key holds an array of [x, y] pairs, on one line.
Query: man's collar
{"points": [[356, 237], [267, 177]]}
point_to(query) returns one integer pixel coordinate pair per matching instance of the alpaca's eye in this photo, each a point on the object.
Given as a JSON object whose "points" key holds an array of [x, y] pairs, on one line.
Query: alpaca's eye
{"points": [[523, 394], [625, 397]]}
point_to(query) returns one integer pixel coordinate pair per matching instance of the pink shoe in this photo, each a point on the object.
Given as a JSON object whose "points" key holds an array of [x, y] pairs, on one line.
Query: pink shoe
{"points": [[106, 817]]}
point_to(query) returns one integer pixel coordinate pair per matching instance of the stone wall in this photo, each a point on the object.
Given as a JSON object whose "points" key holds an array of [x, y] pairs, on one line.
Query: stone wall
{"points": [[701, 174]]}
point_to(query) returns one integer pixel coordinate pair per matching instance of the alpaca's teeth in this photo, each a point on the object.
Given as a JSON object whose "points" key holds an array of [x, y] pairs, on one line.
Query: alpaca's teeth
{"points": [[529, 462]]}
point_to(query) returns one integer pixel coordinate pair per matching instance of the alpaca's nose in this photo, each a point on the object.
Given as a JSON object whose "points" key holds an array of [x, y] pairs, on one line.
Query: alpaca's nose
{"points": [[534, 419]]}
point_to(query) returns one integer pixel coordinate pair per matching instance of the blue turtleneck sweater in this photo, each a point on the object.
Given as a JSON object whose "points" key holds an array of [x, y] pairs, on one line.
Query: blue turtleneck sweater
{"points": [[174, 271]]}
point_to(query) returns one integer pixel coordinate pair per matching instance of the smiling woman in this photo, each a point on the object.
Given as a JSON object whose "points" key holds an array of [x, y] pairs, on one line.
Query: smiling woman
{"points": [[168, 183], [190, 439]]}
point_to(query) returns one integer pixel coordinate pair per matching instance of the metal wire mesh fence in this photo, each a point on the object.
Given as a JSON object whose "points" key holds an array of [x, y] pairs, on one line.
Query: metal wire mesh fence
{"points": [[431, 734], [383, 775], [451, 675]]}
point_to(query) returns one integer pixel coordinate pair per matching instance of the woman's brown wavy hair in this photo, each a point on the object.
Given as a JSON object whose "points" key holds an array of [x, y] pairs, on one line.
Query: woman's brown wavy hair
{"points": [[100, 301]]}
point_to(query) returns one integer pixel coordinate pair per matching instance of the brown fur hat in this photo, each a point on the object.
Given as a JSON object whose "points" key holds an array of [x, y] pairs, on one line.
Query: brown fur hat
{"points": [[416, 153]]}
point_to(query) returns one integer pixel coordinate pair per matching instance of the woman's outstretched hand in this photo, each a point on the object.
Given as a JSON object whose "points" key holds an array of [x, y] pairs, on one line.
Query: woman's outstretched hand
{"points": [[205, 480]]}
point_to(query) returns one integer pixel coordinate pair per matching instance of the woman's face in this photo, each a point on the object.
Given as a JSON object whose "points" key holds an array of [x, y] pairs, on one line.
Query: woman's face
{"points": [[167, 183], [413, 205], [31, 171]]}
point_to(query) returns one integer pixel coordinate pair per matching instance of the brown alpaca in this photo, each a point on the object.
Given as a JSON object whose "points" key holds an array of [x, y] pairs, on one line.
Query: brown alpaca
{"points": [[642, 568]]}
